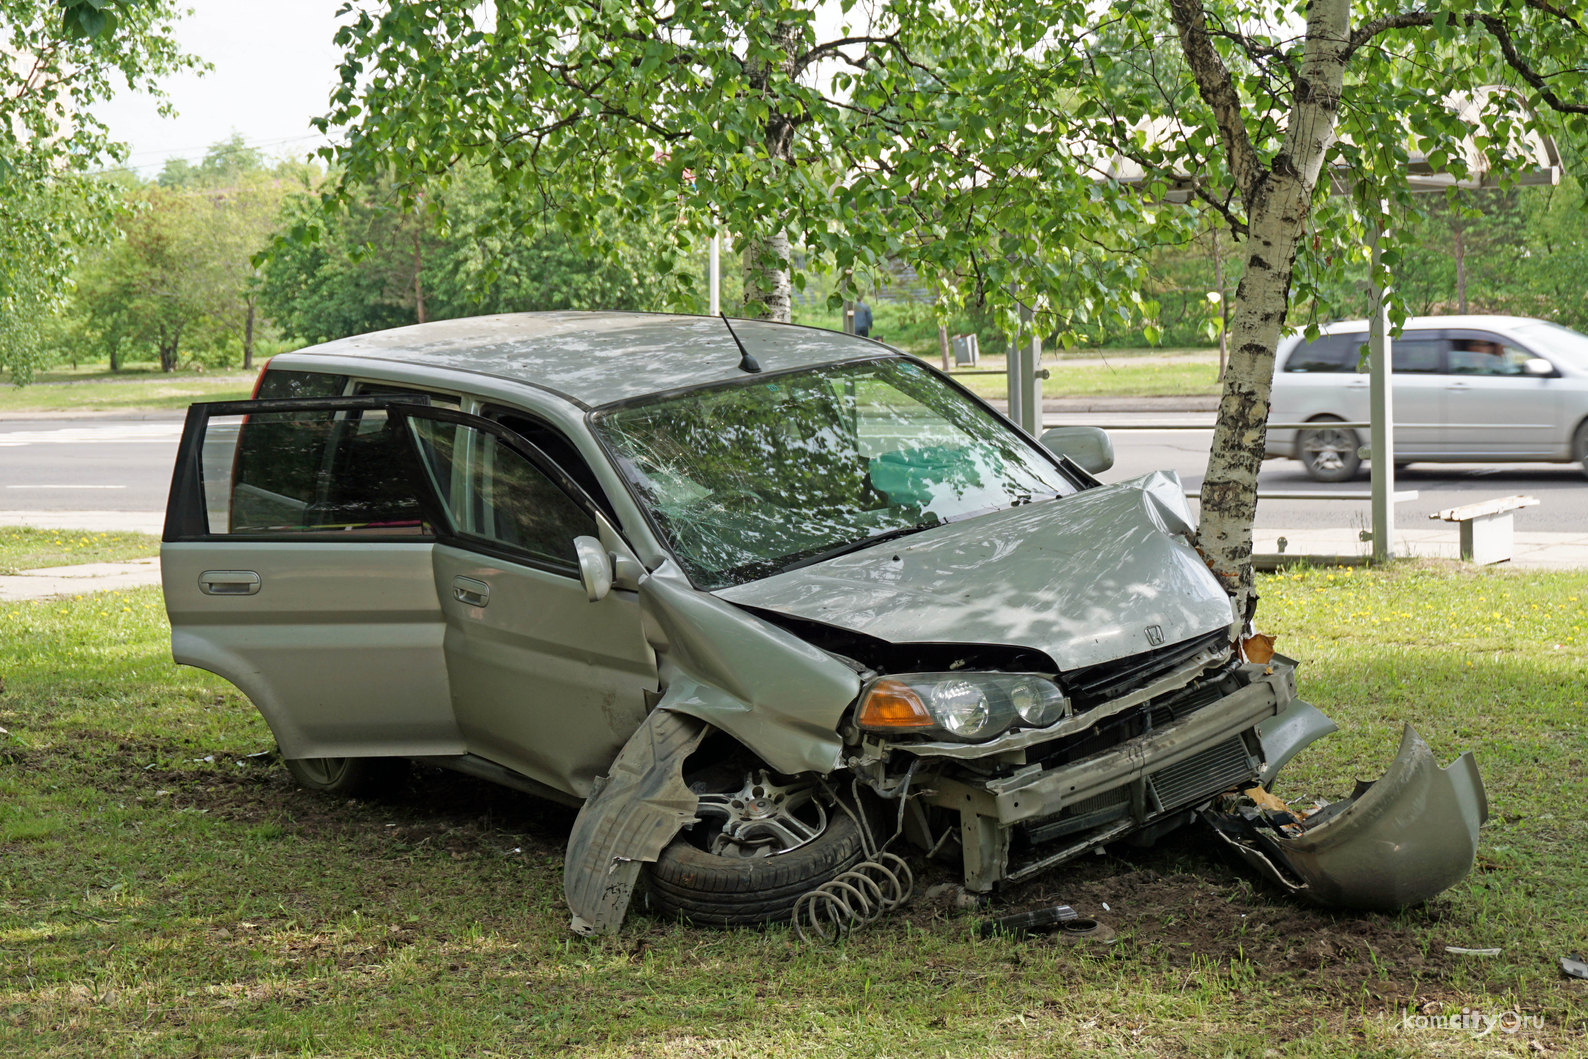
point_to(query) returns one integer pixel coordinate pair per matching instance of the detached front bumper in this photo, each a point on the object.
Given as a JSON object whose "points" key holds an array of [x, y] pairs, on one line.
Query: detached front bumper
{"points": [[1392, 843]]}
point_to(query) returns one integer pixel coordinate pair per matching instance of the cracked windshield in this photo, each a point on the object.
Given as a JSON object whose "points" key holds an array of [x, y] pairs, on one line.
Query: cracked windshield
{"points": [[749, 479]]}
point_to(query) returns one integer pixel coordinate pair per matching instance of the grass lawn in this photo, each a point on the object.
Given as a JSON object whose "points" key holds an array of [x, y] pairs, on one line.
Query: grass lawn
{"points": [[1122, 376], [93, 389], [26, 548], [164, 891]]}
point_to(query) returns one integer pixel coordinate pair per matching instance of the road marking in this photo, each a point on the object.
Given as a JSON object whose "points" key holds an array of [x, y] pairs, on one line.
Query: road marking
{"points": [[121, 434], [66, 487]]}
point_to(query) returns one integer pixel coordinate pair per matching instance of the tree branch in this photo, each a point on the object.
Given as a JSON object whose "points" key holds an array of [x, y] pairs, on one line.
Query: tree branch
{"points": [[822, 50], [1368, 30], [1514, 60], [1217, 91], [1497, 28]]}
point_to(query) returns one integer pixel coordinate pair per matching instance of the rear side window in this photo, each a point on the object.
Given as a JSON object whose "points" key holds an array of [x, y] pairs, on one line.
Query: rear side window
{"points": [[289, 473], [1330, 353], [278, 384], [1417, 356]]}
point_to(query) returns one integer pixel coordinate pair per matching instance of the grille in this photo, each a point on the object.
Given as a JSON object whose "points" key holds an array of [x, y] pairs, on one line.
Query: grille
{"points": [[1213, 770], [1099, 683]]}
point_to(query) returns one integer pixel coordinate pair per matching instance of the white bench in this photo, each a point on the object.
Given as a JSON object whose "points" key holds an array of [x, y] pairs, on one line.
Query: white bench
{"points": [[1486, 527]]}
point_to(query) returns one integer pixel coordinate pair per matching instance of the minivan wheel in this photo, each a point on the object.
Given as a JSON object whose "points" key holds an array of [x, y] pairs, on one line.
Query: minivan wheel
{"points": [[1328, 454], [348, 777], [758, 848]]}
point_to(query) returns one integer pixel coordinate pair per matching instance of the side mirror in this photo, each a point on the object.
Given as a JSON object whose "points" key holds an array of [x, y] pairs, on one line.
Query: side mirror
{"points": [[595, 567], [1538, 366], [1090, 447]]}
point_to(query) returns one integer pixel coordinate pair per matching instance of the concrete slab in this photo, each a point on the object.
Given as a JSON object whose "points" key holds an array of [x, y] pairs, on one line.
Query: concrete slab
{"points": [[93, 521], [56, 582]]}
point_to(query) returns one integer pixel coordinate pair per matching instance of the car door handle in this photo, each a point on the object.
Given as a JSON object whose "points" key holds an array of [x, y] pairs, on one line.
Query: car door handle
{"points": [[472, 593], [229, 583], [1458, 386]]}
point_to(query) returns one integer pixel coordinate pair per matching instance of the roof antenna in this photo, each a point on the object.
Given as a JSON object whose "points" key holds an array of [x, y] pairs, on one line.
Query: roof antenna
{"points": [[746, 362]]}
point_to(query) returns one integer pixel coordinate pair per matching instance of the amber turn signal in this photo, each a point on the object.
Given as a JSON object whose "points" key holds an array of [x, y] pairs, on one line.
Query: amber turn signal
{"points": [[891, 705]]}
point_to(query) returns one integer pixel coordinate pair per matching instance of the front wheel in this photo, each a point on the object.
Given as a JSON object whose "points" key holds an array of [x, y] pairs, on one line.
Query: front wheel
{"points": [[1579, 447], [758, 848], [1328, 453], [348, 777]]}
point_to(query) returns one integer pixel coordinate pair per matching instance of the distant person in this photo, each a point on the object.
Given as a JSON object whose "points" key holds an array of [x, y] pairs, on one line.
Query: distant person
{"points": [[862, 319]]}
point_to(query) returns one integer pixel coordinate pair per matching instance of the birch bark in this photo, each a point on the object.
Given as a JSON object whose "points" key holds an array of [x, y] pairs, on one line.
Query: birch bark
{"points": [[1278, 198], [768, 290]]}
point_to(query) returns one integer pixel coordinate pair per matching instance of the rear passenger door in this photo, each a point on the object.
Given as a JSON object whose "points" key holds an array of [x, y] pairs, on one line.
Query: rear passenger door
{"points": [[297, 564]]}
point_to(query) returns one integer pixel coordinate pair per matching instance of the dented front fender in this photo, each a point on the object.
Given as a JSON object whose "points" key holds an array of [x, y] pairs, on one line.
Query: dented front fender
{"points": [[1391, 844]]}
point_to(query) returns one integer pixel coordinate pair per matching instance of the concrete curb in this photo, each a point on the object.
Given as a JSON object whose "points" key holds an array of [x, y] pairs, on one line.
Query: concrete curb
{"points": [[1120, 404]]}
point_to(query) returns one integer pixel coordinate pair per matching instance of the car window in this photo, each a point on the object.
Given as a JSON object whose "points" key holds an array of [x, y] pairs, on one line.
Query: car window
{"points": [[1328, 353], [555, 445], [745, 479], [293, 473], [1488, 355], [495, 495], [1559, 342], [278, 384], [439, 400], [1417, 356]]}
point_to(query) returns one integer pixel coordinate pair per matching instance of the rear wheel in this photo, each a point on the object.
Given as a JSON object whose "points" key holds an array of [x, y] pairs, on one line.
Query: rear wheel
{"points": [[759, 847], [1579, 446], [1328, 453], [348, 777]]}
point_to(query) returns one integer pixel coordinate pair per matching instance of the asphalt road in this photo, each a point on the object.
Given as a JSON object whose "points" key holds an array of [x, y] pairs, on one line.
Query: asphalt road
{"points": [[1562, 489], [86, 464], [125, 465]]}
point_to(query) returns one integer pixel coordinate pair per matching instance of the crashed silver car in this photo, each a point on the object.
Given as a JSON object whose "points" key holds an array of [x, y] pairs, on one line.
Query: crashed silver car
{"points": [[766, 602]]}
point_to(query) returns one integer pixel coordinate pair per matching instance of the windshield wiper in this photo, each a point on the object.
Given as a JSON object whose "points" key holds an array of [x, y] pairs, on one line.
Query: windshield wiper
{"points": [[863, 542]]}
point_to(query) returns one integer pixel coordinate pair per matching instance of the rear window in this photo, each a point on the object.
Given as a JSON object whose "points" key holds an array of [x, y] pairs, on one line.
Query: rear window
{"points": [[1330, 353], [278, 384]]}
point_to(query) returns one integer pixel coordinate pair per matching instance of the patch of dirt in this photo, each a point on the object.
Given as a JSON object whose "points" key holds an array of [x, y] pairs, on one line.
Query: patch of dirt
{"points": [[1175, 906]]}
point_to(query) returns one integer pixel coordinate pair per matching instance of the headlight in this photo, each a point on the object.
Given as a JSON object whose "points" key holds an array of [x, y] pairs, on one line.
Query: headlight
{"points": [[970, 707]]}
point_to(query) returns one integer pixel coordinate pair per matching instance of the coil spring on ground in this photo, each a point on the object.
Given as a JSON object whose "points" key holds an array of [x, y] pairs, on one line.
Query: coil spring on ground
{"points": [[853, 899]]}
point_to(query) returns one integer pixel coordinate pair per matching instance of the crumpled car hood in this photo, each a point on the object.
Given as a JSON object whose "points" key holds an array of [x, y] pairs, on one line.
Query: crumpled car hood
{"points": [[1103, 574]]}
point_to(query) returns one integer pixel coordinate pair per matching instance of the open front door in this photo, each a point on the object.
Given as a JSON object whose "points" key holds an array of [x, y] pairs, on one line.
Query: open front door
{"points": [[544, 681], [297, 564]]}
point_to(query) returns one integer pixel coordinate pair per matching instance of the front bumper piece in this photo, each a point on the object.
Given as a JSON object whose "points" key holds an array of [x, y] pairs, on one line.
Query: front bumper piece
{"points": [[1391, 844]]}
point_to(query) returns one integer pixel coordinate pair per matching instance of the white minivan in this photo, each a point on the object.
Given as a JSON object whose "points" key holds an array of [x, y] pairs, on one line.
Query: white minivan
{"points": [[1467, 389]]}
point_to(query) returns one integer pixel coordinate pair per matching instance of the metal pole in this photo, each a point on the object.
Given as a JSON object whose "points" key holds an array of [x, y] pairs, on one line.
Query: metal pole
{"points": [[1012, 376], [1381, 444], [714, 274], [1030, 355], [849, 318]]}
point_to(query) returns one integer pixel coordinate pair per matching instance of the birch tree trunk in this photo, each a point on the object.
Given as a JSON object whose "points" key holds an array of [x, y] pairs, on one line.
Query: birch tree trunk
{"points": [[768, 289], [1278, 199]]}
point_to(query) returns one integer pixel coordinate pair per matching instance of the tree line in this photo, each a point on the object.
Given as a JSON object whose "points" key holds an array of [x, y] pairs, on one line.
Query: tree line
{"points": [[201, 267]]}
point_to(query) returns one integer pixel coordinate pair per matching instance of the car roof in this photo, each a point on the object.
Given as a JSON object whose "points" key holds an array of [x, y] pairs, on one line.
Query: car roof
{"points": [[1424, 323], [597, 358]]}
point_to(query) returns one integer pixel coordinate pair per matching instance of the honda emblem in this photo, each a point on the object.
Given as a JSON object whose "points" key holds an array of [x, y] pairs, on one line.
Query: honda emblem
{"points": [[1155, 635]]}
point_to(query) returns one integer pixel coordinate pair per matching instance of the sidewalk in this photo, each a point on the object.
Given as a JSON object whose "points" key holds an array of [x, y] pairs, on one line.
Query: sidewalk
{"points": [[1545, 551], [58, 582]]}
